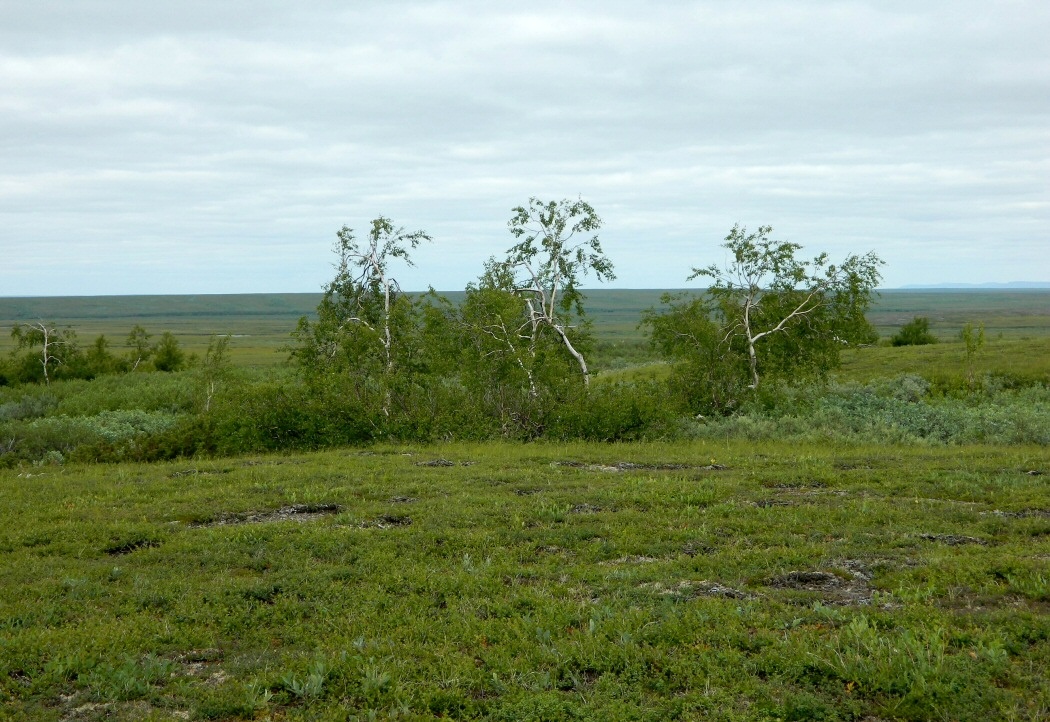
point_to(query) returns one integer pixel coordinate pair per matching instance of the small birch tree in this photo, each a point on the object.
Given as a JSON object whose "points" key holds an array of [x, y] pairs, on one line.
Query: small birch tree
{"points": [[765, 293], [141, 349], [365, 323], [557, 247], [49, 339]]}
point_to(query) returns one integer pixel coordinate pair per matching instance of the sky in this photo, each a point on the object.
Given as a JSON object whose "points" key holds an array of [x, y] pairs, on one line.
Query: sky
{"points": [[217, 147]]}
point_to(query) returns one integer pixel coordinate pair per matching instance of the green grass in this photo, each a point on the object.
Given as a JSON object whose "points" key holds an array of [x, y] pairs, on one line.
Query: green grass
{"points": [[1014, 314], [522, 582], [262, 323], [1026, 360]]}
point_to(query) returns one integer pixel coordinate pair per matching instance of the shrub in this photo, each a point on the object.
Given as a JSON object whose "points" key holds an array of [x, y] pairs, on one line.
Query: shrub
{"points": [[614, 412], [914, 333], [116, 432]]}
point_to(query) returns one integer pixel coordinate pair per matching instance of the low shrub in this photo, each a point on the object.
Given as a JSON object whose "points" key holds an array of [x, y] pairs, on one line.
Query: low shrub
{"points": [[615, 412], [914, 333]]}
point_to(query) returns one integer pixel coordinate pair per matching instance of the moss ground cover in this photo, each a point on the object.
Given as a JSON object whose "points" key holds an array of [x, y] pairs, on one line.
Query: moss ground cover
{"points": [[708, 580]]}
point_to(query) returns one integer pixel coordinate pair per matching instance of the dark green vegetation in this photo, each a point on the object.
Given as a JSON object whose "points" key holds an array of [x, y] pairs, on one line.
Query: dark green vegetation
{"points": [[914, 333], [261, 323], [708, 580], [227, 404]]}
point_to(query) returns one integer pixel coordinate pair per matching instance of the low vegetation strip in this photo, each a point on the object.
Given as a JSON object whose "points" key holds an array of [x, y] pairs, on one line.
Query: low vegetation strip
{"points": [[703, 580]]}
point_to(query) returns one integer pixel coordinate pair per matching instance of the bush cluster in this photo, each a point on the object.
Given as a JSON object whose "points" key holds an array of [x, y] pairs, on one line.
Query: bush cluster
{"points": [[159, 416]]}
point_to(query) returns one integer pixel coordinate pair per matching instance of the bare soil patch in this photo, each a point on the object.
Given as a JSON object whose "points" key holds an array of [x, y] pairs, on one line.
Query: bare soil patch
{"points": [[444, 463], [387, 521], [585, 509], [953, 539], [1022, 514], [295, 512], [848, 587], [631, 466]]}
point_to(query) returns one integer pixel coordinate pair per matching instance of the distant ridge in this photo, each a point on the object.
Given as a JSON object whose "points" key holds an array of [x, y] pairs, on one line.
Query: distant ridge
{"points": [[1012, 284]]}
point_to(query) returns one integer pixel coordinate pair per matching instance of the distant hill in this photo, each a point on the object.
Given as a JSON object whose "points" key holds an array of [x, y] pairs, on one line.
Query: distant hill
{"points": [[978, 286]]}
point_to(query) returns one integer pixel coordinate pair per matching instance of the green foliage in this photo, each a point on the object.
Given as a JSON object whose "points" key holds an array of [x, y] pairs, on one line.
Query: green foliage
{"points": [[891, 411], [114, 431], [47, 349], [766, 311], [547, 264], [551, 254], [973, 341], [914, 333], [139, 345], [365, 324], [705, 375], [167, 355], [614, 412], [801, 312], [214, 371]]}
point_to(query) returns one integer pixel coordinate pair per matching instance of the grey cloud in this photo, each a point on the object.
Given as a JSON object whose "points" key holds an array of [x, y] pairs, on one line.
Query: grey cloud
{"points": [[231, 140]]}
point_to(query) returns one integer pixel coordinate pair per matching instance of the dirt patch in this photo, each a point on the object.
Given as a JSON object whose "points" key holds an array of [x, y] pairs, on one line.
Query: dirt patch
{"points": [[387, 521], [814, 581], [850, 587], [403, 499], [295, 512], [693, 549], [444, 463], [199, 656], [631, 466], [527, 492], [125, 710], [702, 588], [20, 677], [629, 559], [197, 662], [1023, 514], [766, 503], [198, 472], [130, 545], [585, 509], [794, 486], [953, 539]]}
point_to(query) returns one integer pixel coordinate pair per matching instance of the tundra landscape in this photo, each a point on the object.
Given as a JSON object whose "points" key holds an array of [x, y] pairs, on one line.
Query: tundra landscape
{"points": [[369, 504], [327, 394]]}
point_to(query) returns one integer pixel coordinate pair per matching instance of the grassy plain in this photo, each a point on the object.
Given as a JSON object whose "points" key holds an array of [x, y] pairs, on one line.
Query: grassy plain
{"points": [[715, 580], [721, 581], [261, 323]]}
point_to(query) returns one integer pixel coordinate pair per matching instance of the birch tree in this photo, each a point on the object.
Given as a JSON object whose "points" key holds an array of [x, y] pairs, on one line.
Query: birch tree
{"points": [[764, 294], [50, 340], [557, 248], [365, 326]]}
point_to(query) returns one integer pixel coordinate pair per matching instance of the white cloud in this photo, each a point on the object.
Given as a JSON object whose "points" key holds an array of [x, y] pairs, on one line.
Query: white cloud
{"points": [[198, 147]]}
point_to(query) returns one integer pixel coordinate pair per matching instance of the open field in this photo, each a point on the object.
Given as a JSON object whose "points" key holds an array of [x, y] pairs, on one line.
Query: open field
{"points": [[776, 563], [1027, 360], [262, 323], [720, 581]]}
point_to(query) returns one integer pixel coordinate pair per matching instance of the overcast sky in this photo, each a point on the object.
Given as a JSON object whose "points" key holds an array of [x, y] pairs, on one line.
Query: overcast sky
{"points": [[216, 147]]}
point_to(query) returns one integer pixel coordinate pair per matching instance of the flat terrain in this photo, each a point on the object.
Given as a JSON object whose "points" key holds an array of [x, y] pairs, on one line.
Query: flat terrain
{"points": [[715, 581], [262, 323], [733, 579]]}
